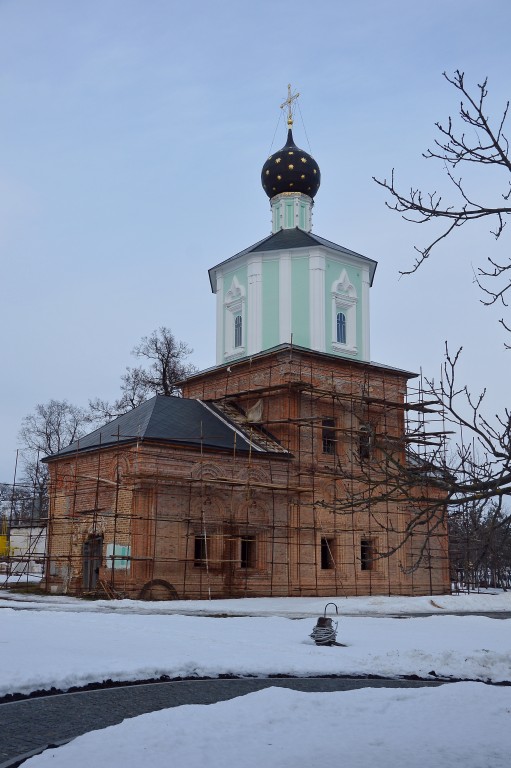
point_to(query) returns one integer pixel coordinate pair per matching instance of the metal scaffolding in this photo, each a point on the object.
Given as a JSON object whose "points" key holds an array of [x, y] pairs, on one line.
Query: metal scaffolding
{"points": [[338, 501]]}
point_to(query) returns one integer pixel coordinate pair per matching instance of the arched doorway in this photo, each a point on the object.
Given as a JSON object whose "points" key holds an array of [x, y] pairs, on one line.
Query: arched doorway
{"points": [[92, 557]]}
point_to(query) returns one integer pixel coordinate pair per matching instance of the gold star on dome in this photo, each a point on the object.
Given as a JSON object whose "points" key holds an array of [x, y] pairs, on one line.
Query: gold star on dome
{"points": [[290, 167], [290, 153], [315, 171], [302, 176], [267, 173], [279, 177], [303, 159], [277, 159]]}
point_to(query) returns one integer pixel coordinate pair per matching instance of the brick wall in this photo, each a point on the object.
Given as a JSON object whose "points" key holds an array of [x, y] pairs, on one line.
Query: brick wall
{"points": [[201, 524]]}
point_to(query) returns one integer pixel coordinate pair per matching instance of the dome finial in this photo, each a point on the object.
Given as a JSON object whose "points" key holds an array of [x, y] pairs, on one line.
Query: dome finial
{"points": [[290, 170], [289, 103]]}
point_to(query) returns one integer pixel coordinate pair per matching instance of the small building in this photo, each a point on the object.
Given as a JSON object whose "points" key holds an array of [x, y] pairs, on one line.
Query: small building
{"points": [[275, 473], [27, 549]]}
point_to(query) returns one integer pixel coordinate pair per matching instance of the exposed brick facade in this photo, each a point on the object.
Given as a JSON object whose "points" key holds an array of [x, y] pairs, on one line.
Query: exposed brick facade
{"points": [[188, 523]]}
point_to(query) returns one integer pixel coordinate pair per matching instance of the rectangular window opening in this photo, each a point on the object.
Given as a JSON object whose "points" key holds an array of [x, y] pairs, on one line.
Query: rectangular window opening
{"points": [[365, 442], [248, 552], [328, 436], [367, 552], [238, 330], [327, 557], [200, 551], [341, 328]]}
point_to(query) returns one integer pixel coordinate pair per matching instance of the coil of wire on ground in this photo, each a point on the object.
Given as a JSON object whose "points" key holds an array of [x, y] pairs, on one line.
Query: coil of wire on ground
{"points": [[324, 633]]}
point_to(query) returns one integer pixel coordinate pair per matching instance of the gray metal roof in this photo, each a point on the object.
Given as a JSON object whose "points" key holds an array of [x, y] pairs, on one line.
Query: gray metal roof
{"points": [[288, 239], [175, 420]]}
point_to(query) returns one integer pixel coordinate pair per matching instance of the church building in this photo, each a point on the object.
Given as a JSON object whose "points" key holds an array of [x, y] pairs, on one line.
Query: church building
{"points": [[275, 473]]}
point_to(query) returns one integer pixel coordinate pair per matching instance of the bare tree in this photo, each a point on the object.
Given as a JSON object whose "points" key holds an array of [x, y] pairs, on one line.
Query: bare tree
{"points": [[21, 503], [484, 148], [166, 366], [480, 546], [477, 469], [478, 472], [133, 392], [411, 471], [166, 358], [51, 427]]}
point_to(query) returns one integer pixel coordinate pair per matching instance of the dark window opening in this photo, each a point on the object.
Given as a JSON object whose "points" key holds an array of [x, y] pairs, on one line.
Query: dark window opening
{"points": [[367, 555], [248, 552], [238, 331], [200, 551], [92, 559], [328, 436], [327, 558], [341, 328], [365, 442]]}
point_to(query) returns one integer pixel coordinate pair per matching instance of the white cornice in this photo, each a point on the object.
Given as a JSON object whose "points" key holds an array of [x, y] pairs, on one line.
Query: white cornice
{"points": [[342, 256]]}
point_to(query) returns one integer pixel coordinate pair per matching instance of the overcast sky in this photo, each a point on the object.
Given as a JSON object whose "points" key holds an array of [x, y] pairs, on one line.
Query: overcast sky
{"points": [[132, 135]]}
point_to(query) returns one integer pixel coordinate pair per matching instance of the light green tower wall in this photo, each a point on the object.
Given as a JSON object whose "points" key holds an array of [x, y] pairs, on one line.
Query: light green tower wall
{"points": [[300, 297], [294, 295]]}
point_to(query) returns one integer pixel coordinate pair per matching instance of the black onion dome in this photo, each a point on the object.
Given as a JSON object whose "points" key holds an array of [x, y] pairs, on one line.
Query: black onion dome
{"points": [[290, 170]]}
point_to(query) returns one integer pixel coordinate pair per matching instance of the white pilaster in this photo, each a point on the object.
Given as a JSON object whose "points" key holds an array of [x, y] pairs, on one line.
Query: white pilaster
{"points": [[255, 305], [285, 298], [366, 317], [219, 318], [317, 316]]}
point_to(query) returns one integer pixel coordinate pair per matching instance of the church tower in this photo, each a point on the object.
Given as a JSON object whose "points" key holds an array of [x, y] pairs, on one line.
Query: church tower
{"points": [[293, 286]]}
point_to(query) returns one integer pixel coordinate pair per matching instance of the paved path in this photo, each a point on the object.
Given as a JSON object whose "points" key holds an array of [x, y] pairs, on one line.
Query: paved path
{"points": [[28, 726]]}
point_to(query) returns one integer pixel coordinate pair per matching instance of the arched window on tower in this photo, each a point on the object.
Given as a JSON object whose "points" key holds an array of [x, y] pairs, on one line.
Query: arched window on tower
{"points": [[235, 321], [344, 315], [238, 331], [341, 328]]}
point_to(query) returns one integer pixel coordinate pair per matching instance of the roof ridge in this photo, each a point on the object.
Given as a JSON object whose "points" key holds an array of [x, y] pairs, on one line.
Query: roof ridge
{"points": [[254, 245], [153, 400], [232, 424]]}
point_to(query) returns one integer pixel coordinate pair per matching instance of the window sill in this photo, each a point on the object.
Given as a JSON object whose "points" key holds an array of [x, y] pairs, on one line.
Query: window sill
{"points": [[346, 348], [233, 354]]}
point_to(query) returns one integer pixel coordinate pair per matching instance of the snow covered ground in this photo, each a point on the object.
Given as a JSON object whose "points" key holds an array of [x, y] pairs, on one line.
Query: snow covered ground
{"points": [[462, 724], [41, 649], [294, 607], [62, 642]]}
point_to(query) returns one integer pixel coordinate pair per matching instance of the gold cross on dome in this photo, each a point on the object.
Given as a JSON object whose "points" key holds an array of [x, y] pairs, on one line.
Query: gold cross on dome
{"points": [[289, 103]]}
